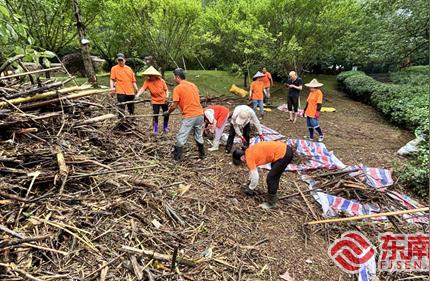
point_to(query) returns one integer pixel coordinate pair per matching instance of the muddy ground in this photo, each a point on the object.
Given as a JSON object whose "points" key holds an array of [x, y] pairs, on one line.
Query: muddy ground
{"points": [[355, 132]]}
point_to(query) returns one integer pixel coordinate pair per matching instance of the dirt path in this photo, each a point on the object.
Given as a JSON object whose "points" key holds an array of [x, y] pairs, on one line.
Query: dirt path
{"points": [[234, 222]]}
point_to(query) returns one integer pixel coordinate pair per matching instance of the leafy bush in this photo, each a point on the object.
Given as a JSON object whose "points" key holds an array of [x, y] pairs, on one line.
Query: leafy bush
{"points": [[405, 105], [414, 75]]}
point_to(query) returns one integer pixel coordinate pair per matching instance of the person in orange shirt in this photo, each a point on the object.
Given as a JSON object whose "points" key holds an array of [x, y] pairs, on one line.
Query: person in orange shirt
{"points": [[159, 93], [123, 84], [268, 82], [256, 92], [216, 117], [313, 108], [277, 153], [186, 96]]}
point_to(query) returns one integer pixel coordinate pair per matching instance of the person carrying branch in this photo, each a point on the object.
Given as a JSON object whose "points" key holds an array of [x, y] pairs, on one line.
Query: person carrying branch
{"points": [[159, 93], [186, 96], [123, 84], [216, 117], [268, 82], [240, 125], [295, 85], [277, 153], [313, 108], [256, 92]]}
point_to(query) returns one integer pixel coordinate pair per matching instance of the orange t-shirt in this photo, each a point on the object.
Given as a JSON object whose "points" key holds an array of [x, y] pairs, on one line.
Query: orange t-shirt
{"points": [[221, 114], [158, 90], [124, 79], [187, 95], [264, 152], [257, 88], [314, 98], [266, 79]]}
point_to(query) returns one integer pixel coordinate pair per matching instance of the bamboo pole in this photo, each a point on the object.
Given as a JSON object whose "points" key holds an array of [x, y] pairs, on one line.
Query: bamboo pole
{"points": [[96, 119], [425, 209], [66, 97], [157, 256], [30, 72], [43, 95]]}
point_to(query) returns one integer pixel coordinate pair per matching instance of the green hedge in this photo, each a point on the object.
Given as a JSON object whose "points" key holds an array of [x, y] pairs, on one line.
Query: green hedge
{"points": [[414, 75], [406, 105]]}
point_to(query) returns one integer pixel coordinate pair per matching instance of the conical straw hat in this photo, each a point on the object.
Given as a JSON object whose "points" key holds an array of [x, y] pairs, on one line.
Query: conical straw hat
{"points": [[151, 71], [314, 84]]}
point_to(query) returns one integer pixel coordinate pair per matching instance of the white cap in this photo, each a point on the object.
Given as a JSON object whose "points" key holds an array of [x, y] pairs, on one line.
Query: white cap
{"points": [[242, 117], [210, 115]]}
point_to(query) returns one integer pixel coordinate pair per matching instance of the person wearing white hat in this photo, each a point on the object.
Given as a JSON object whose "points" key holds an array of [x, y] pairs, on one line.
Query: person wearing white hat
{"points": [[216, 117], [159, 93], [313, 108], [256, 92], [241, 120]]}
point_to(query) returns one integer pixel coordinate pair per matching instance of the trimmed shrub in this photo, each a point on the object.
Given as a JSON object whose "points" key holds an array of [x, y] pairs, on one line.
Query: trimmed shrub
{"points": [[414, 75], [406, 105]]}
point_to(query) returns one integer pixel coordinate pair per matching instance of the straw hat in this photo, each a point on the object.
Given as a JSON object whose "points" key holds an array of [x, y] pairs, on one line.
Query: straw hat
{"points": [[314, 84], [242, 117], [258, 75], [210, 115], [151, 71]]}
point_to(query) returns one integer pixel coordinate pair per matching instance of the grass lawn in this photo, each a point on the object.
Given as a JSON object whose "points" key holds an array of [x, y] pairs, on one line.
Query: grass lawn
{"points": [[218, 83]]}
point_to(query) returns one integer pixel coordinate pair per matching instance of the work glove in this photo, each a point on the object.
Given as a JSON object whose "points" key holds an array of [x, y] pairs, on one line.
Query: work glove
{"points": [[261, 136], [166, 113], [244, 142], [317, 114]]}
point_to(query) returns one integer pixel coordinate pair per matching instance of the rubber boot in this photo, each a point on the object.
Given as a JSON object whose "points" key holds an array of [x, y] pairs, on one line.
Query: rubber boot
{"points": [[166, 127], [155, 127], [177, 153], [215, 146], [272, 199], [201, 148], [249, 192]]}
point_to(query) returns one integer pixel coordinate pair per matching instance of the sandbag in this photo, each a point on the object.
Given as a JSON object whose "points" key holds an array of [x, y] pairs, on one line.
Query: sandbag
{"points": [[238, 91]]}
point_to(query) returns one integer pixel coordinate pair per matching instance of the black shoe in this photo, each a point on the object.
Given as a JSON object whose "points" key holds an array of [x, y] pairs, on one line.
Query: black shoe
{"points": [[177, 153], [201, 148]]}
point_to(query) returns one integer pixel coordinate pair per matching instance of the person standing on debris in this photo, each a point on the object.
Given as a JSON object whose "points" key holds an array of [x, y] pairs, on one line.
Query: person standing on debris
{"points": [[216, 117], [123, 84], [159, 93], [186, 96], [256, 92], [313, 108], [240, 125], [295, 85], [268, 82], [277, 153]]}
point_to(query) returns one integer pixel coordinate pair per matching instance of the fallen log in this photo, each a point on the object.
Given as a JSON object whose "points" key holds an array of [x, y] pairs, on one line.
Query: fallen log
{"points": [[28, 119], [43, 95], [425, 209], [157, 256], [36, 90]]}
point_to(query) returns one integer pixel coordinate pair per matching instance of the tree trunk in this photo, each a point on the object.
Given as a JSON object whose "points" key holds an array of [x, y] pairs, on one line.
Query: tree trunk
{"points": [[85, 49]]}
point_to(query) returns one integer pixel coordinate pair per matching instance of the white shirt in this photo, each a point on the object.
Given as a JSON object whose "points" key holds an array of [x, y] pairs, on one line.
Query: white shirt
{"points": [[252, 118]]}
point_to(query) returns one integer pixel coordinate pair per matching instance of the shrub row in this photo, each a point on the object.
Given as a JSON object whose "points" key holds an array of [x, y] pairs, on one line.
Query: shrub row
{"points": [[414, 75], [407, 106]]}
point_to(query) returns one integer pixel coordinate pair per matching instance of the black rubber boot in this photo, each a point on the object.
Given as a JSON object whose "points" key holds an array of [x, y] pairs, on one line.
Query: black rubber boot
{"points": [[272, 199], [177, 153], [201, 148], [249, 192]]}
